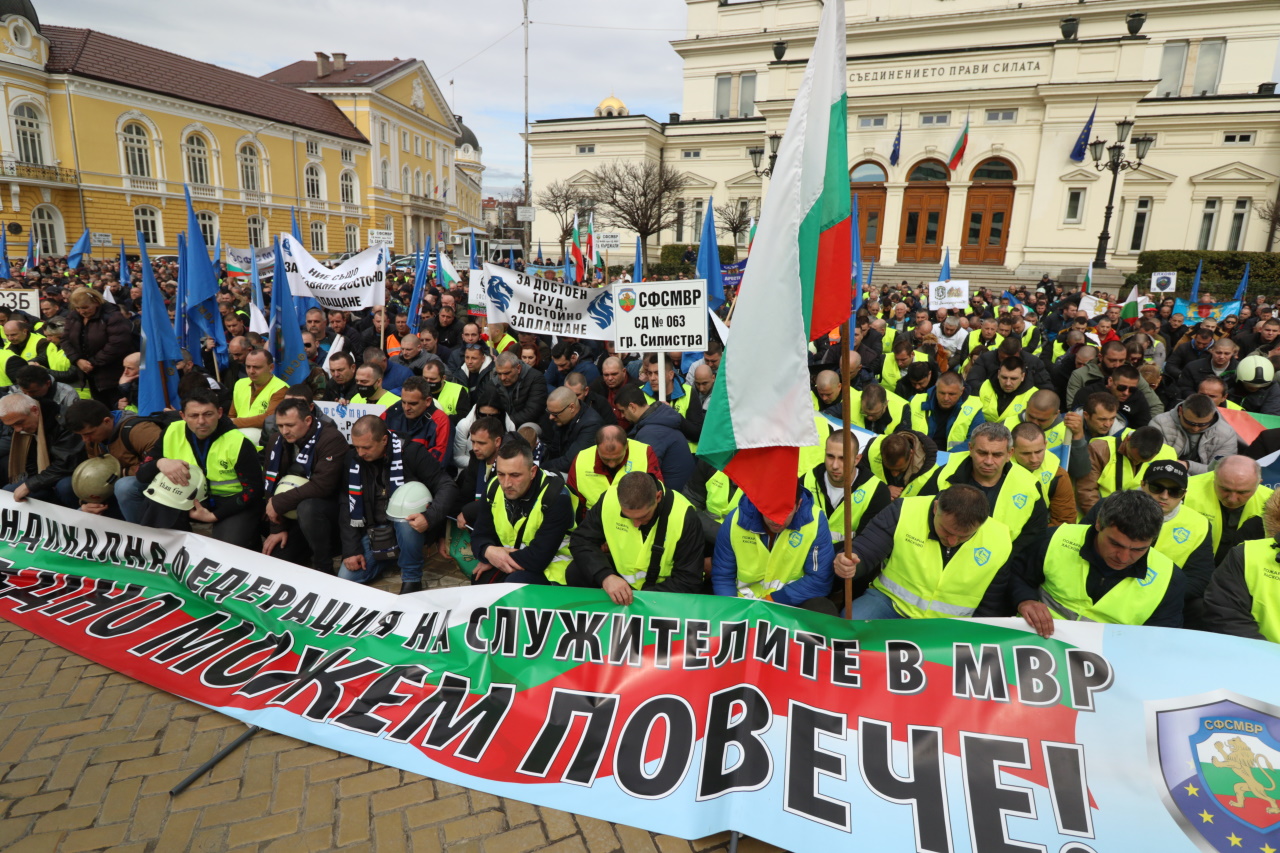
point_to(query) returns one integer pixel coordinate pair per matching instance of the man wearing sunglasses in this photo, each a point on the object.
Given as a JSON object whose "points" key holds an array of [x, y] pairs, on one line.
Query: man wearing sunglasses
{"points": [[1197, 433], [1122, 383]]}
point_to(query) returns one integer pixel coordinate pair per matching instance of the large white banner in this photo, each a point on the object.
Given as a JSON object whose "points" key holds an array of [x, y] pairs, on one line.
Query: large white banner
{"points": [[243, 258], [359, 283], [527, 303]]}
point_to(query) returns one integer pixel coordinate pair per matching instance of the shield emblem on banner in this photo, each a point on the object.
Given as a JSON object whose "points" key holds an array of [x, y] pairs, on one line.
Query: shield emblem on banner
{"points": [[1215, 756], [627, 300], [981, 555]]}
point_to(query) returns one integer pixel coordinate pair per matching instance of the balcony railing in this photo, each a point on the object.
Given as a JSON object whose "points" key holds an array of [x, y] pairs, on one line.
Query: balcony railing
{"points": [[316, 204], [37, 172], [255, 196], [145, 184], [203, 191]]}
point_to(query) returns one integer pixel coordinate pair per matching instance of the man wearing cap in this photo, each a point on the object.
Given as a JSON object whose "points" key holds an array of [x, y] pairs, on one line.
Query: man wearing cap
{"points": [[1231, 497], [1243, 598], [1105, 572], [315, 451], [206, 438], [521, 525], [1197, 433], [1119, 463], [1255, 388]]}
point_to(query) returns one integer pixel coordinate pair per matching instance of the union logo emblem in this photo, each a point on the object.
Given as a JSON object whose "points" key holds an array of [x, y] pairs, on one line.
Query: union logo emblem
{"points": [[981, 556], [627, 300], [1019, 501], [1181, 535]]}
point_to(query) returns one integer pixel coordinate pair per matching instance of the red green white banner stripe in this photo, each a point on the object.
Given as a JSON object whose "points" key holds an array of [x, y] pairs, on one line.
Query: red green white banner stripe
{"points": [[797, 288], [958, 147]]}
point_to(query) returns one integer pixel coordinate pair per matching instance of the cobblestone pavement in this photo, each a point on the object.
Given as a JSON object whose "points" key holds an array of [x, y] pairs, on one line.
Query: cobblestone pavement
{"points": [[87, 758]]}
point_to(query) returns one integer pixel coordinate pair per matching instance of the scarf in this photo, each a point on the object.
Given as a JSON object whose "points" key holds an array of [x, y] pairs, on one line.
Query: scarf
{"points": [[355, 482], [304, 458], [21, 448]]}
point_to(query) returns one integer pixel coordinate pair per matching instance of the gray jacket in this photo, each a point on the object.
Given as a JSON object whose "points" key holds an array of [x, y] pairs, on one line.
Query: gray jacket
{"points": [[1092, 372], [1216, 442]]}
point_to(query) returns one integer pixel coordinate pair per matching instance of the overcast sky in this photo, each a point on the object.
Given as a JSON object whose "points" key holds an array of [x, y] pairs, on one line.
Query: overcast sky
{"points": [[571, 69]]}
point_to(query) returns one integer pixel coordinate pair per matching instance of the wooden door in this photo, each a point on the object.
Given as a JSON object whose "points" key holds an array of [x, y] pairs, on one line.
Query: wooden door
{"points": [[871, 203], [986, 220], [924, 213]]}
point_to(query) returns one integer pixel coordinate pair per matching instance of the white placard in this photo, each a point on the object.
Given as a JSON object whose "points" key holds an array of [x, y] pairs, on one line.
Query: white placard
{"points": [[660, 315], [948, 294], [243, 258], [524, 214], [359, 283], [527, 303], [26, 301], [382, 237], [97, 238], [346, 416], [1164, 282], [609, 241], [1091, 306]]}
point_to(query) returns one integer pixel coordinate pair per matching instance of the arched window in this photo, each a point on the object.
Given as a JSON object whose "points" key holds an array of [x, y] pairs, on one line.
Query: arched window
{"points": [[384, 175], [868, 173], [208, 228], [313, 182], [417, 182], [197, 151], [317, 237], [137, 150], [146, 221], [994, 170], [46, 224], [347, 187], [445, 194], [404, 179], [257, 232], [29, 130], [929, 170], [353, 238], [250, 169]]}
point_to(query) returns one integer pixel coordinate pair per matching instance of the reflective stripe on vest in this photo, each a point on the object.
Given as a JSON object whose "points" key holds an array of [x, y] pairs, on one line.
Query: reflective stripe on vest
{"points": [[248, 406], [763, 571], [1116, 477], [1180, 538], [630, 551], [917, 581], [591, 486], [1130, 602], [447, 399], [1262, 575], [220, 465]]}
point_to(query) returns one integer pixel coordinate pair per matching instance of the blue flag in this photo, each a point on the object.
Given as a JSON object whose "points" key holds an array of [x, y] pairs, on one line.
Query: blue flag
{"points": [[1082, 141], [541, 257], [125, 278], [870, 272], [5, 272], [1244, 284], [1013, 300], [157, 370], [293, 222], [202, 289], [637, 271], [79, 250], [857, 255], [897, 144], [180, 324], [290, 355], [945, 275], [709, 259], [419, 288], [1195, 285]]}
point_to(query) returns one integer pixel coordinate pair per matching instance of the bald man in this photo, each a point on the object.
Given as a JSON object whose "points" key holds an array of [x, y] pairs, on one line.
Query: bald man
{"points": [[569, 428], [1232, 497], [1044, 410], [827, 389]]}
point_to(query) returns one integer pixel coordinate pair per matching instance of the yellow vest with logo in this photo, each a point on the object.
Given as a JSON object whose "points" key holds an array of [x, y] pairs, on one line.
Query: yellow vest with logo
{"points": [[722, 495], [856, 506], [56, 357], [920, 585], [1180, 538], [387, 399], [886, 343], [1118, 477], [890, 373], [248, 406], [1014, 505], [1056, 436], [447, 399], [990, 404], [591, 485], [631, 552], [895, 406], [763, 571], [958, 435], [1049, 468], [816, 454], [220, 464], [1130, 602], [1203, 498], [1262, 574]]}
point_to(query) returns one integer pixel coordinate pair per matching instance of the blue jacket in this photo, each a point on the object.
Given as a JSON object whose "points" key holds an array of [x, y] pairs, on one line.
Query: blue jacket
{"points": [[659, 428], [819, 575], [397, 373]]}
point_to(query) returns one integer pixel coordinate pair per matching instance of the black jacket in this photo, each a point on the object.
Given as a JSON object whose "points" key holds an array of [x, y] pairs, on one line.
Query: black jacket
{"points": [[1198, 371], [248, 469], [327, 480], [66, 451], [1136, 410], [534, 554], [526, 400], [565, 442], [988, 365], [1228, 602], [419, 467]]}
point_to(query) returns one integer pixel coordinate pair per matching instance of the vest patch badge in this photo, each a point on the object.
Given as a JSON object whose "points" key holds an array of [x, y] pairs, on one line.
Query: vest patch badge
{"points": [[859, 496], [1152, 574], [1181, 535], [1019, 501], [981, 556], [795, 539]]}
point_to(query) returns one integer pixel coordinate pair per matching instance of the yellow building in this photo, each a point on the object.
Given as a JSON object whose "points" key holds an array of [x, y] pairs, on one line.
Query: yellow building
{"points": [[104, 133]]}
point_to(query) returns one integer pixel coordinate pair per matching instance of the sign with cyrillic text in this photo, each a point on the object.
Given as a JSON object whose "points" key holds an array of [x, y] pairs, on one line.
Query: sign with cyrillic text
{"points": [[527, 303], [359, 283], [660, 315]]}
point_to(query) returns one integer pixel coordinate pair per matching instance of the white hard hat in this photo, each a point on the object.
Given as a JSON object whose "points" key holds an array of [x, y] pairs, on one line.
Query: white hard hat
{"points": [[165, 492], [412, 497], [287, 482], [1255, 370], [253, 434]]}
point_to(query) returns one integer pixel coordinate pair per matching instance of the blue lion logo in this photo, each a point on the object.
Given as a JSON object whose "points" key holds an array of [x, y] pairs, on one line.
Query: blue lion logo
{"points": [[981, 555], [499, 293], [1181, 535], [601, 309], [1019, 501]]}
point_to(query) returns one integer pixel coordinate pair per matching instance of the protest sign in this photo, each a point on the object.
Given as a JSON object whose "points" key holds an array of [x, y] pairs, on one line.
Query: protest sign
{"points": [[527, 303], [731, 275], [346, 416], [948, 294], [26, 301], [358, 283], [1164, 282], [661, 315], [242, 259], [683, 714]]}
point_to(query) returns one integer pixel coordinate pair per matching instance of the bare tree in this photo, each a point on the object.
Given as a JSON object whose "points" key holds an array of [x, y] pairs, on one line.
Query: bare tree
{"points": [[640, 197], [734, 219], [563, 200], [1269, 212]]}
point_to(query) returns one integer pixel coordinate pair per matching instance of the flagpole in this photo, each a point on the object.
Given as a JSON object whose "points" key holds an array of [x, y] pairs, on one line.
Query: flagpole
{"points": [[846, 341]]}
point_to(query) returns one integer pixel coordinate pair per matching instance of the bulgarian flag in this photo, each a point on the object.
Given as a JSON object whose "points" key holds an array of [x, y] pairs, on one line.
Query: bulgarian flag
{"points": [[751, 235], [1132, 307], [234, 269], [958, 147], [446, 275], [1086, 286], [795, 290], [577, 253]]}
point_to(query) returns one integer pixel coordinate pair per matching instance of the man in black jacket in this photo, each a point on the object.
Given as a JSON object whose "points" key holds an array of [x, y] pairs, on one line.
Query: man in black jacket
{"points": [[309, 448], [568, 429], [578, 384], [33, 427], [378, 464], [521, 388]]}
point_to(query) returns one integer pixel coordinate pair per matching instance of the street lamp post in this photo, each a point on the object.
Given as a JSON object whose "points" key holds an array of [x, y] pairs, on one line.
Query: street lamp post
{"points": [[757, 155], [1115, 163]]}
